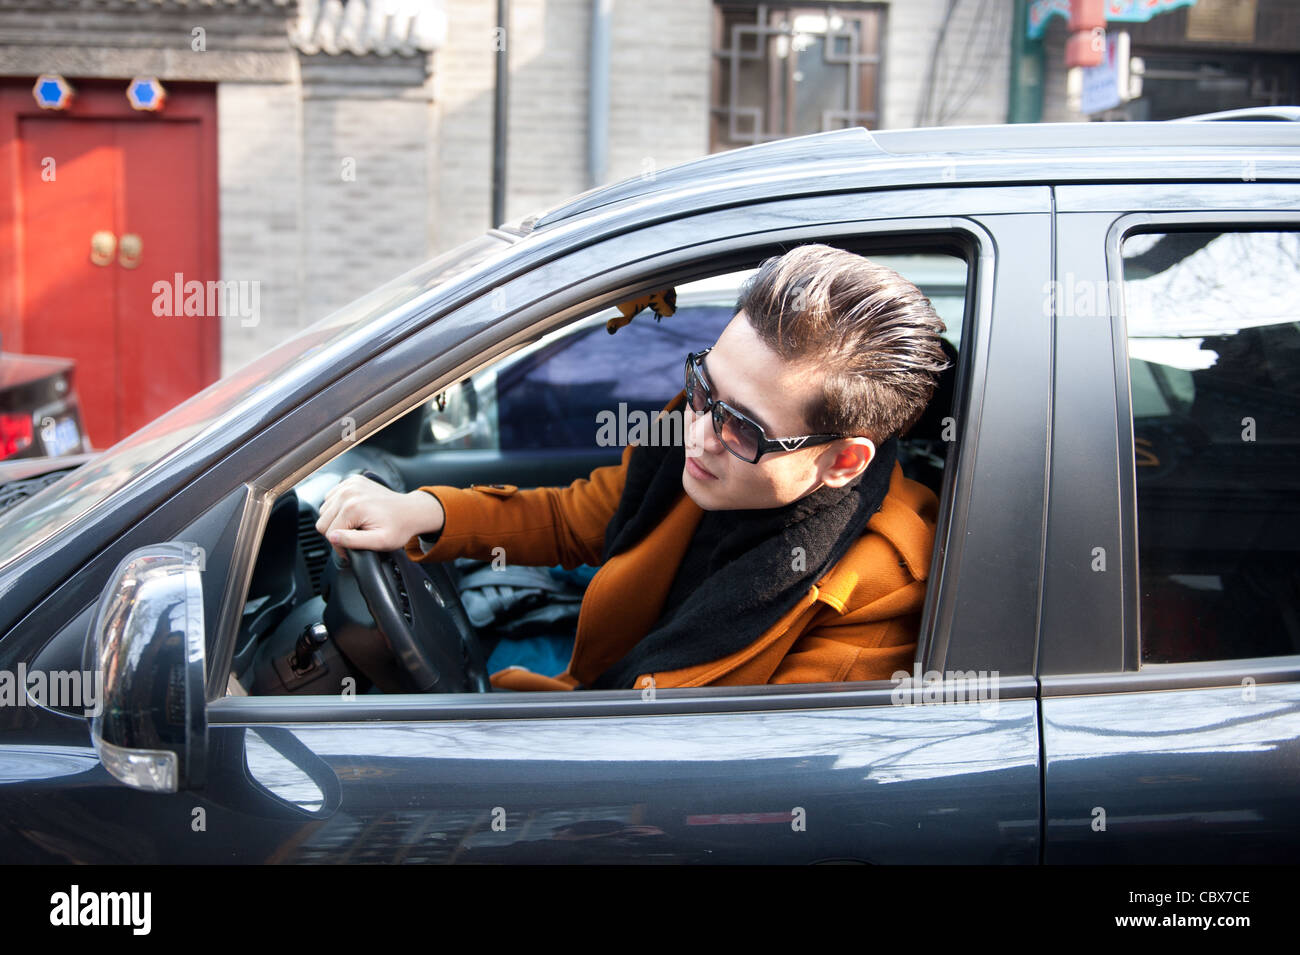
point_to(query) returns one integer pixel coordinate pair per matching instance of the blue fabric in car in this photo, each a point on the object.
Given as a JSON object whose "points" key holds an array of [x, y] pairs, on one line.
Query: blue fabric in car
{"points": [[541, 654]]}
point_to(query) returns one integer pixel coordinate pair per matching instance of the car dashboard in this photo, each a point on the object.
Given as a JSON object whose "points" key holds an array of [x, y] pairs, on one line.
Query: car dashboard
{"points": [[285, 593]]}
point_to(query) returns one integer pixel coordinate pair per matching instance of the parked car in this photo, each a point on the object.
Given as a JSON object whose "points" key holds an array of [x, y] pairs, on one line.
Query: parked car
{"points": [[1109, 661], [39, 410]]}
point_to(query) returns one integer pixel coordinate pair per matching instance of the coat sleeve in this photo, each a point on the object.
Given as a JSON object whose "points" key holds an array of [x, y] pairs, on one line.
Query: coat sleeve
{"points": [[536, 527]]}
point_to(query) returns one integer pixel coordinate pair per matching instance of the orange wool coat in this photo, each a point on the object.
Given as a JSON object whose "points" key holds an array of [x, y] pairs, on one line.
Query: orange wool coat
{"points": [[859, 621]]}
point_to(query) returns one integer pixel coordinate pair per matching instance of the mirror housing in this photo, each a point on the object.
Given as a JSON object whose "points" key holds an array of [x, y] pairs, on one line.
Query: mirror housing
{"points": [[147, 642]]}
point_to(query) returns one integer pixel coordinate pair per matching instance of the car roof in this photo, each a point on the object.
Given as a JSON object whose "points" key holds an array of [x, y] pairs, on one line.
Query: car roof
{"points": [[961, 155]]}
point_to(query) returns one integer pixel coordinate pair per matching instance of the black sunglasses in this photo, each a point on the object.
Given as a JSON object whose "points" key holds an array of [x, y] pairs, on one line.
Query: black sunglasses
{"points": [[740, 435]]}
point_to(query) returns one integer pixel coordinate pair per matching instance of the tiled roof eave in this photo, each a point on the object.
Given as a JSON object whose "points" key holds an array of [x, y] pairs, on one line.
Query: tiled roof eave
{"points": [[369, 27]]}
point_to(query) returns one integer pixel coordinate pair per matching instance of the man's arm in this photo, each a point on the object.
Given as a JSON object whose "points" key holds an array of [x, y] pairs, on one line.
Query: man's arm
{"points": [[536, 527]]}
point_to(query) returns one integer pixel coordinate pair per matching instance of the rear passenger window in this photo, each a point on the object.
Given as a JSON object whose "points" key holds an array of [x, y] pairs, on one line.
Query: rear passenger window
{"points": [[1214, 360]]}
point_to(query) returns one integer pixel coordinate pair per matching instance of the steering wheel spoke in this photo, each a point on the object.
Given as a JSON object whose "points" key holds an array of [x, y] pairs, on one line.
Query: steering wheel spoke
{"points": [[417, 608]]}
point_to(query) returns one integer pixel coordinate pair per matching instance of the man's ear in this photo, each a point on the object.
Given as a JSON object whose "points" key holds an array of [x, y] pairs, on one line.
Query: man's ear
{"points": [[853, 457]]}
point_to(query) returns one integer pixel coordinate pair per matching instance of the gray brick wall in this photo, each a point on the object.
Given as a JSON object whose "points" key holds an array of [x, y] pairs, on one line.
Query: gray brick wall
{"points": [[462, 104], [548, 103], [422, 150], [1056, 107], [418, 129], [659, 87], [325, 190], [365, 186], [259, 170]]}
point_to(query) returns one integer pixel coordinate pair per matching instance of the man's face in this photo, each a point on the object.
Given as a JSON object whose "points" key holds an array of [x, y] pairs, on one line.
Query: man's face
{"points": [[744, 372]]}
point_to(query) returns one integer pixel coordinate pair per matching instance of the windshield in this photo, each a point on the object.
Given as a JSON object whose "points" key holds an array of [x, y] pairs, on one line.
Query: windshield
{"points": [[53, 508]]}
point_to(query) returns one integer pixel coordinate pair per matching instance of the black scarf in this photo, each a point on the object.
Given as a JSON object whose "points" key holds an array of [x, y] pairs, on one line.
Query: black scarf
{"points": [[754, 574]]}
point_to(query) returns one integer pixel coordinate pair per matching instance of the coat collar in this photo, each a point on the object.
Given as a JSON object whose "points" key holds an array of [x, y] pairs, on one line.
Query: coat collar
{"points": [[905, 519]]}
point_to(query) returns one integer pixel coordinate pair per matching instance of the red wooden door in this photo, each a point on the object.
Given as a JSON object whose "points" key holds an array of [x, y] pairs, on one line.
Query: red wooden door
{"points": [[148, 182]]}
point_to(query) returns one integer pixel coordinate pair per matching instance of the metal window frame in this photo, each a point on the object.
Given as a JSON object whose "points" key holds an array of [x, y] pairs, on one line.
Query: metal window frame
{"points": [[530, 321], [1121, 229]]}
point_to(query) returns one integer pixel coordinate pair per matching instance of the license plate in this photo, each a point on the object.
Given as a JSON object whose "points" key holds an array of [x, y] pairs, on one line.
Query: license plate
{"points": [[65, 438]]}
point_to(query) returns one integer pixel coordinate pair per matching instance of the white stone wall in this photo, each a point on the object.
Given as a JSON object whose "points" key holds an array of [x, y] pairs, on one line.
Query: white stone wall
{"points": [[972, 77]]}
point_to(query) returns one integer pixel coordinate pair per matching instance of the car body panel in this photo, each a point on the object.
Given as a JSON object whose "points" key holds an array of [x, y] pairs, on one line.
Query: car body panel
{"points": [[1174, 776], [874, 782]]}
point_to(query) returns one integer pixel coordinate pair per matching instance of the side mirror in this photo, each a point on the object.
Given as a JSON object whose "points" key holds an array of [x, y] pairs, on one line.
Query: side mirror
{"points": [[147, 641], [452, 415]]}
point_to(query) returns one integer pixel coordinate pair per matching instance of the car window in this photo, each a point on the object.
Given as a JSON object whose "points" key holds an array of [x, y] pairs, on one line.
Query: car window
{"points": [[552, 395], [1213, 334], [549, 395]]}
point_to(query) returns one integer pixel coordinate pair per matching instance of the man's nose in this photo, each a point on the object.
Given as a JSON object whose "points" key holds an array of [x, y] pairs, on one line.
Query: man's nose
{"points": [[700, 436]]}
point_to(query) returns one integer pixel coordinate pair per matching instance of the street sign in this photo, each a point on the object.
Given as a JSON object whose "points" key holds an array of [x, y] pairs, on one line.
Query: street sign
{"points": [[1107, 85]]}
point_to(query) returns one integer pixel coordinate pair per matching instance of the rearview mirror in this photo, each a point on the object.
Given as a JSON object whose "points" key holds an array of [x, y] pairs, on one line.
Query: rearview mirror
{"points": [[147, 642]]}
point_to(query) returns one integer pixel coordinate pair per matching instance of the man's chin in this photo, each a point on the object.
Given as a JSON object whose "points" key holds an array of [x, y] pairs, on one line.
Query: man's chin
{"points": [[703, 500]]}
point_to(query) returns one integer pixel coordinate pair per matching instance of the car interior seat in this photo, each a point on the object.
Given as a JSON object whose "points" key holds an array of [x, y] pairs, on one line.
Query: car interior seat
{"points": [[922, 451]]}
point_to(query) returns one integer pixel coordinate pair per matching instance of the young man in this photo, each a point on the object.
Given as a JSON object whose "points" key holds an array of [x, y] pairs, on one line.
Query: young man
{"points": [[781, 544]]}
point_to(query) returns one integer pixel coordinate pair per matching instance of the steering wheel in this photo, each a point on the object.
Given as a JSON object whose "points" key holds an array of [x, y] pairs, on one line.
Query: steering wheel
{"points": [[418, 610]]}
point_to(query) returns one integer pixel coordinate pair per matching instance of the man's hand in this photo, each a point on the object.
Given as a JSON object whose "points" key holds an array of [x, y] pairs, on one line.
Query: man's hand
{"points": [[365, 515]]}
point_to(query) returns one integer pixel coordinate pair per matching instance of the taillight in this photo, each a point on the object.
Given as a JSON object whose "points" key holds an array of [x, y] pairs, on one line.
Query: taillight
{"points": [[15, 433]]}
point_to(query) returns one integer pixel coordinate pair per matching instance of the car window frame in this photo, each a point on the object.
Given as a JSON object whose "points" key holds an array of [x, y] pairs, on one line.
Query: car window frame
{"points": [[1214, 208], [708, 297], [1230, 669], [676, 264]]}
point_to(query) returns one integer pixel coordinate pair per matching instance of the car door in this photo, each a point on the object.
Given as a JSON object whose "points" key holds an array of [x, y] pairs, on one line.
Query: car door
{"points": [[1171, 622]]}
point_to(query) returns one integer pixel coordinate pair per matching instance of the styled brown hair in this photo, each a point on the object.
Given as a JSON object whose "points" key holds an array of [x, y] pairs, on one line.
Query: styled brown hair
{"points": [[871, 330]]}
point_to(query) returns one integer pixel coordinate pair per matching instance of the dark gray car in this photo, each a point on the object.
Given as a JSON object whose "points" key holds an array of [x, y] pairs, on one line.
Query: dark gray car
{"points": [[1109, 661]]}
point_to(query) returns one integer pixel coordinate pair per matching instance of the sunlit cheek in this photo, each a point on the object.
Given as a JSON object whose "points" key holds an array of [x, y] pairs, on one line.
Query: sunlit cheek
{"points": [[783, 479], [697, 433]]}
